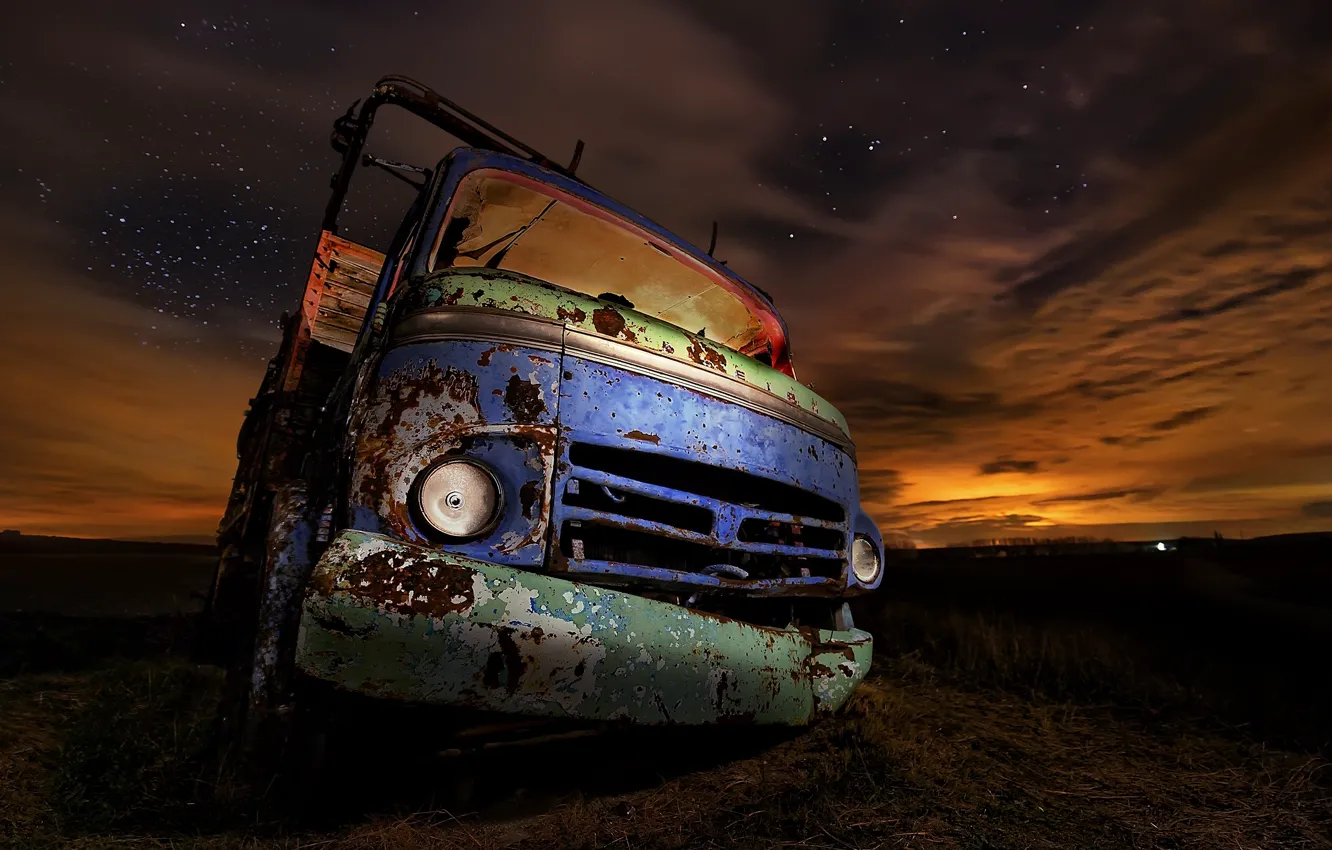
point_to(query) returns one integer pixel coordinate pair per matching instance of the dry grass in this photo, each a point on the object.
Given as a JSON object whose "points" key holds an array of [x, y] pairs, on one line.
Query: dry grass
{"points": [[986, 734]]}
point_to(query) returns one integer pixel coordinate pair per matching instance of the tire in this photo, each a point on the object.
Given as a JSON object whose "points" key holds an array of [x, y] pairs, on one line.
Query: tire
{"points": [[270, 734]]}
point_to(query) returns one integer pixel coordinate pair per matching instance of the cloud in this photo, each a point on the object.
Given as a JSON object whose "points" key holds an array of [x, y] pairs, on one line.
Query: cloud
{"points": [[1318, 510], [1140, 494], [999, 467], [879, 486], [937, 503], [1004, 522], [1183, 418], [1238, 162], [1127, 441]]}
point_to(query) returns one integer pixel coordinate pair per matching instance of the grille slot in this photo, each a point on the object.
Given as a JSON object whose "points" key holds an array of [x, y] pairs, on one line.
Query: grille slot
{"points": [[790, 534], [607, 499], [724, 485], [591, 540]]}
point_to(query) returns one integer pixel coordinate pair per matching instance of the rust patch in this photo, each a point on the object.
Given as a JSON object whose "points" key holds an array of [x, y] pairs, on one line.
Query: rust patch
{"points": [[575, 315], [484, 359], [402, 392], [406, 585], [543, 439], [647, 438], [661, 706], [608, 321], [491, 672], [323, 582], [723, 684], [523, 398], [508, 659], [705, 355], [527, 495], [339, 626], [845, 650], [451, 298], [461, 386], [818, 669]]}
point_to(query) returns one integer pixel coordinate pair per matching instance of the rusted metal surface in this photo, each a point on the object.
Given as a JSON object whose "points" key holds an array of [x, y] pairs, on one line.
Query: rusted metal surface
{"points": [[735, 466], [525, 399], [524, 406], [285, 576], [492, 402], [399, 621], [497, 289], [648, 475]]}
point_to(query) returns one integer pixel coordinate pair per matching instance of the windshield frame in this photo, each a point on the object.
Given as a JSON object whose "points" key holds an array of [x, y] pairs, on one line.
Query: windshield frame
{"points": [[462, 162]]}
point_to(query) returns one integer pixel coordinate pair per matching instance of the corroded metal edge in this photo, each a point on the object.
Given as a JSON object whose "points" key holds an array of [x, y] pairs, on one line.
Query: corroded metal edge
{"points": [[393, 620], [508, 327]]}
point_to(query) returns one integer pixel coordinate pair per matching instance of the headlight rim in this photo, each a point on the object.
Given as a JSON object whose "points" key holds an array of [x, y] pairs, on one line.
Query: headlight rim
{"points": [[421, 518], [877, 575]]}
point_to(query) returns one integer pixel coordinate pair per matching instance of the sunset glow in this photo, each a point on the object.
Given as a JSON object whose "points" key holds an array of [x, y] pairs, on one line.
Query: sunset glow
{"points": [[1061, 281]]}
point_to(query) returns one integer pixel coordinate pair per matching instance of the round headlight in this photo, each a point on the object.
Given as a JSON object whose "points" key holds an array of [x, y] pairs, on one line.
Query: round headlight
{"points": [[459, 498], [865, 561]]}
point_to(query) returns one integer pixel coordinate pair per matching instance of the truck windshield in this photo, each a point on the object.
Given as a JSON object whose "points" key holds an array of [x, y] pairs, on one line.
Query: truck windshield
{"points": [[502, 220]]}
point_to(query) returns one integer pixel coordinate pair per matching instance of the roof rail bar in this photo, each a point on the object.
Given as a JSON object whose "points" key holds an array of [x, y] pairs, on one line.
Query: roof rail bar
{"points": [[351, 130]]}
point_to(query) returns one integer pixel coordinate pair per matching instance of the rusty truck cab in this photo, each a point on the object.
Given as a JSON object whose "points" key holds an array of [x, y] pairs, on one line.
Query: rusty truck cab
{"points": [[566, 471]]}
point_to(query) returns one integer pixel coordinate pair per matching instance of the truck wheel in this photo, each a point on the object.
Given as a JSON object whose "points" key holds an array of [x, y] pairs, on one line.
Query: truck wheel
{"points": [[266, 729]]}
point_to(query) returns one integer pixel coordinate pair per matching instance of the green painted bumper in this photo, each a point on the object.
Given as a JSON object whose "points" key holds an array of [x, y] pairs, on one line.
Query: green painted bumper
{"points": [[393, 620]]}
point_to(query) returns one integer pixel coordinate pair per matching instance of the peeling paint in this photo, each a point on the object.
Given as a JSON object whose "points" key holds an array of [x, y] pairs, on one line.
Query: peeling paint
{"points": [[498, 289], [536, 644]]}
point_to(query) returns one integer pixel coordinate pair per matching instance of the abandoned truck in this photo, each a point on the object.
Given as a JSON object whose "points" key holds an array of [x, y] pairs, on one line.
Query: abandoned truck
{"points": [[541, 458]]}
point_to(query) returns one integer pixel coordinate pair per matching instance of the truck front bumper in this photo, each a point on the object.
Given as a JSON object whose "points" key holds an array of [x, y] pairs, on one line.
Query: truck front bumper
{"points": [[394, 620]]}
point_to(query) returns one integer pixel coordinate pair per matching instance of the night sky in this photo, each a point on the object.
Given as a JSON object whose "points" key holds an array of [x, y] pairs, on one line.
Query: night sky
{"points": [[1066, 266]]}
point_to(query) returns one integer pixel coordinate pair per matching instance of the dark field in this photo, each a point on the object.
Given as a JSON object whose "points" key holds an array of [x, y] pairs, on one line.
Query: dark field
{"points": [[105, 585], [1172, 700]]}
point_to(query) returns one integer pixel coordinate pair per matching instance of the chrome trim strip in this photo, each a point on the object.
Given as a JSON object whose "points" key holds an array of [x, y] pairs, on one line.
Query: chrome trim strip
{"points": [[480, 323], [511, 328]]}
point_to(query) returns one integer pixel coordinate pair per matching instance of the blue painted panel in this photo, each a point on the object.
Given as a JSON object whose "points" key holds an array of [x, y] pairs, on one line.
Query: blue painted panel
{"points": [[610, 406], [606, 406], [495, 403]]}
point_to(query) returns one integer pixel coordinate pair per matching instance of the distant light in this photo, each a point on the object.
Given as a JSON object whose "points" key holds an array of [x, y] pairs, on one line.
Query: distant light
{"points": [[1160, 547]]}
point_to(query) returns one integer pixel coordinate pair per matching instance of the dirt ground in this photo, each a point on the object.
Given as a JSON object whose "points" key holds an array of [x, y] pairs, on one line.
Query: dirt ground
{"points": [[110, 747], [1038, 703]]}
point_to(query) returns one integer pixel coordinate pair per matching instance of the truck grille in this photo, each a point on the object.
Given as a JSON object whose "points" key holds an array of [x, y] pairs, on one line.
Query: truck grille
{"points": [[644, 509]]}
